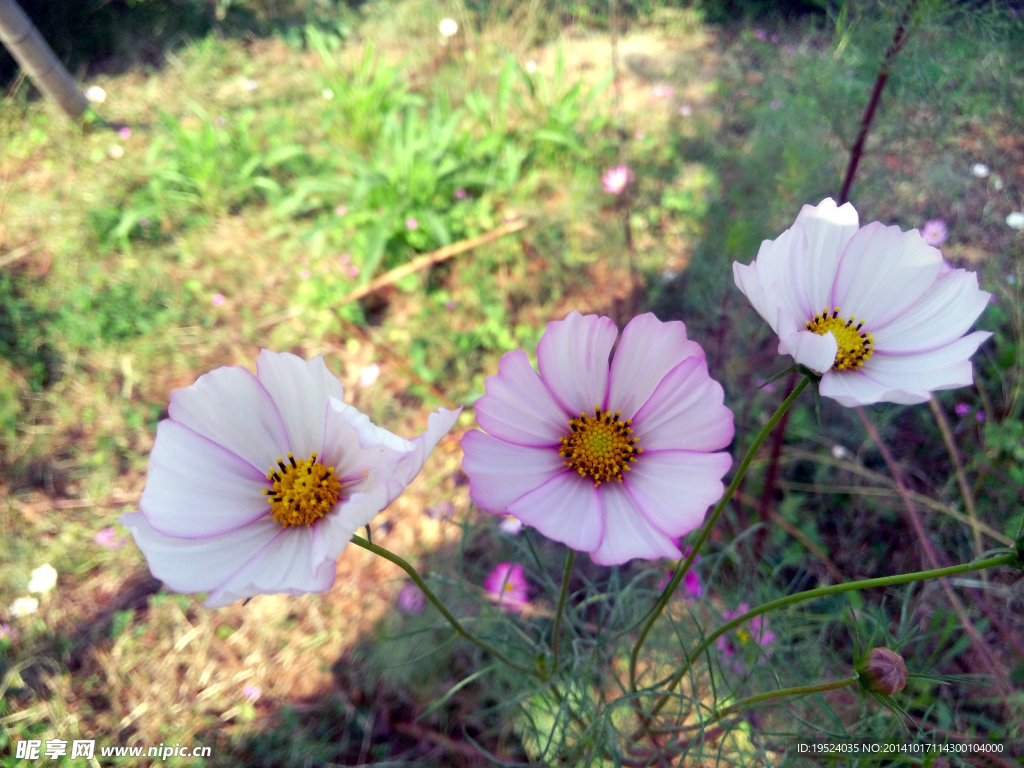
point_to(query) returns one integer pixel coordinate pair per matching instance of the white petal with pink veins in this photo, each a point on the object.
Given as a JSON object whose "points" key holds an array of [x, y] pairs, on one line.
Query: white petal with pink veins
{"points": [[674, 489], [282, 565], [828, 229], [816, 351], [232, 408], [685, 412], [300, 390], [647, 351], [627, 533], [197, 488], [942, 315], [500, 472], [566, 509], [883, 272], [518, 407], [573, 359], [198, 565]]}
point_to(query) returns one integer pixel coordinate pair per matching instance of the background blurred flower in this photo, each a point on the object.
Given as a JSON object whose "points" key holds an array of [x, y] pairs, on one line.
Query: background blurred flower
{"points": [[108, 539], [508, 587], [411, 223], [962, 409], [211, 520], [460, 193], [615, 179], [42, 579], [23, 606], [217, 300], [979, 170], [775, 104], [251, 692], [686, 110], [115, 152], [125, 132], [368, 375], [340, 210], [934, 232], [531, 66], [836, 293], [1015, 220], [448, 27], [411, 599], [304, 274], [511, 525], [662, 91], [95, 94], [7, 632], [248, 84], [611, 460]]}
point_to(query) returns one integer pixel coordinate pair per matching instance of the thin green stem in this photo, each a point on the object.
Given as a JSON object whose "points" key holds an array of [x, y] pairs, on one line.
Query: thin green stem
{"points": [[684, 564], [558, 611], [835, 589], [392, 557], [742, 704]]}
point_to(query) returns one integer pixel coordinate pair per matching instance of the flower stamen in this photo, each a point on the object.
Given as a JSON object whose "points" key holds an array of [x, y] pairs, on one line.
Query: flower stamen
{"points": [[599, 446], [303, 492], [853, 346]]}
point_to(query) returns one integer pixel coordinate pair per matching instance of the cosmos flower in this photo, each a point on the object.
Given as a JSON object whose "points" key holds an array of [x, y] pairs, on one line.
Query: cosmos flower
{"points": [[251, 692], [1015, 220], [411, 223], [508, 587], [411, 599], [217, 300], [754, 636], [108, 539], [935, 232], [615, 179], [256, 483], [448, 27], [962, 409], [24, 606], [612, 461], [691, 581], [95, 94], [865, 307], [980, 170], [42, 579]]}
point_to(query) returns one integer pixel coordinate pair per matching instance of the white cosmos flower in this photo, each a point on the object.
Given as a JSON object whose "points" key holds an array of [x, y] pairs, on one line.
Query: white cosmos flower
{"points": [[869, 308], [23, 606], [42, 579], [448, 27], [256, 483], [95, 94]]}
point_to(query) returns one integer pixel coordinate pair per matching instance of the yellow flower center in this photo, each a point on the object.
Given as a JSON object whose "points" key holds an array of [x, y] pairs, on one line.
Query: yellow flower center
{"points": [[303, 492], [853, 345], [599, 446]]}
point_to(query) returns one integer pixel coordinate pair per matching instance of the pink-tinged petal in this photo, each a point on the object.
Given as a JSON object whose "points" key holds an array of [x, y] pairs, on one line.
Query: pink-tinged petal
{"points": [[198, 565], [573, 359], [627, 533], [685, 412], [300, 390], [508, 586], [368, 434], [566, 508], [518, 407], [780, 266], [232, 408], [500, 472], [674, 489], [197, 488], [282, 565], [924, 372], [817, 352], [883, 272], [943, 315], [828, 229], [334, 530], [764, 302], [409, 464], [691, 581], [853, 388], [647, 351]]}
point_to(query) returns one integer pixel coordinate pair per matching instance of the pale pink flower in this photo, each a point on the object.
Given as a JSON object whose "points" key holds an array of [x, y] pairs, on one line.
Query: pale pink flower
{"points": [[760, 34], [865, 307], [108, 539], [691, 581], [411, 223], [508, 587], [686, 110], [615, 179], [340, 210], [224, 512], [7, 632], [962, 409], [217, 300], [662, 91], [934, 232], [639, 135], [511, 525], [746, 637], [125, 132], [304, 274], [611, 460], [450, 305], [344, 259], [353, 271], [251, 692], [411, 599], [368, 375], [460, 193], [775, 105]]}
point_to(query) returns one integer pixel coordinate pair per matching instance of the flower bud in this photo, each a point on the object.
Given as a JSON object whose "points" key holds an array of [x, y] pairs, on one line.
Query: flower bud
{"points": [[883, 671]]}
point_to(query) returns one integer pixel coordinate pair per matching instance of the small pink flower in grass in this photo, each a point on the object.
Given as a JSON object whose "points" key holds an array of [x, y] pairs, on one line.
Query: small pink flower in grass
{"points": [[775, 37], [612, 460], [125, 132], [662, 91], [761, 35], [7, 632], [411, 599], [451, 305], [304, 274], [866, 307], [507, 586], [962, 409], [691, 581], [460, 193], [256, 483], [411, 223], [344, 259], [751, 638], [217, 300], [615, 179], [775, 105], [340, 210], [979, 416], [108, 539], [353, 271], [934, 232], [251, 692]]}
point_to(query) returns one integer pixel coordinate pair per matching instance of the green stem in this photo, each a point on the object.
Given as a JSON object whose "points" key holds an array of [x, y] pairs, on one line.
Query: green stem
{"points": [[558, 611], [742, 704], [392, 557], [811, 594], [684, 564]]}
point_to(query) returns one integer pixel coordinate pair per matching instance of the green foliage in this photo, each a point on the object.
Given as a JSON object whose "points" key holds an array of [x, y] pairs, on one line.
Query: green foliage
{"points": [[23, 338]]}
